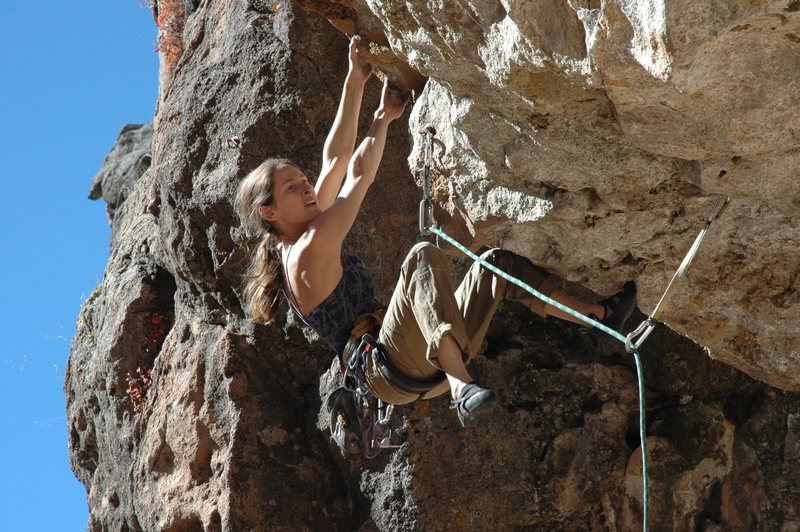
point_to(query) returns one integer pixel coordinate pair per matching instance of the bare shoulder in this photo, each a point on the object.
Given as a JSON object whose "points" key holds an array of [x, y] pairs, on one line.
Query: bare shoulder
{"points": [[313, 249], [313, 269]]}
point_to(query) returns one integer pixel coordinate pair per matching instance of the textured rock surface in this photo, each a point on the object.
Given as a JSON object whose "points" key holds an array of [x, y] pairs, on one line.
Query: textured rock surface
{"points": [[590, 138], [128, 160]]}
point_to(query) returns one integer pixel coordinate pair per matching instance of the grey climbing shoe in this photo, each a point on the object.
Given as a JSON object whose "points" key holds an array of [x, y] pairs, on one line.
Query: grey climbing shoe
{"points": [[473, 402], [618, 308]]}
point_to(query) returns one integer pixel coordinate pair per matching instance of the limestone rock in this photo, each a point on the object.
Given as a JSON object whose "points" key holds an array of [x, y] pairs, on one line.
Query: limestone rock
{"points": [[588, 137]]}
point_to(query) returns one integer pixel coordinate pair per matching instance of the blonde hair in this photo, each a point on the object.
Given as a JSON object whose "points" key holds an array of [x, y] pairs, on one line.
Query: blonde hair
{"points": [[264, 275]]}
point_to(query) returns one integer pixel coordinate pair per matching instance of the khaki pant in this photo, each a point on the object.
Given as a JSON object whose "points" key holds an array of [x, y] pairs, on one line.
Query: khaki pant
{"points": [[425, 307]]}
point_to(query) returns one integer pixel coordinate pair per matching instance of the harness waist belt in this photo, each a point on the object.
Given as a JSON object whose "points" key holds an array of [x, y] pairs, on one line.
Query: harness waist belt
{"points": [[408, 384]]}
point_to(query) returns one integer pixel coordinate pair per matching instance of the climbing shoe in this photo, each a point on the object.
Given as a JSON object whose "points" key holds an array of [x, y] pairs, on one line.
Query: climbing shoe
{"points": [[473, 402], [618, 308]]}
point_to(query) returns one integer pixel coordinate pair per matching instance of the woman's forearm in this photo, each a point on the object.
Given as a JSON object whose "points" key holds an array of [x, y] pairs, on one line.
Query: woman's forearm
{"points": [[368, 156], [342, 137], [340, 143], [331, 227]]}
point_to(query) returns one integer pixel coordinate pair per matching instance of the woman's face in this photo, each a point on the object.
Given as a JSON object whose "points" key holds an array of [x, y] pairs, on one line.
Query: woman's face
{"points": [[294, 198]]}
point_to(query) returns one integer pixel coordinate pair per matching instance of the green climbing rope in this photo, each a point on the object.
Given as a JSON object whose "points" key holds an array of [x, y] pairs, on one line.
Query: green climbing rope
{"points": [[586, 319], [427, 224]]}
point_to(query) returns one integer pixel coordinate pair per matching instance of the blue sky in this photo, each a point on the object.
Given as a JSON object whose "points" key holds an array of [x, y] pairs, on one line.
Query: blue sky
{"points": [[73, 73]]}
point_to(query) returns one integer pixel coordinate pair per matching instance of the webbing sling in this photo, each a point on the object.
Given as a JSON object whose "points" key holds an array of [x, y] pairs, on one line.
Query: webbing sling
{"points": [[646, 327]]}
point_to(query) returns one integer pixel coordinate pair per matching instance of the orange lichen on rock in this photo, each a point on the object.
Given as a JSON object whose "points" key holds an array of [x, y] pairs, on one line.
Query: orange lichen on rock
{"points": [[170, 20]]}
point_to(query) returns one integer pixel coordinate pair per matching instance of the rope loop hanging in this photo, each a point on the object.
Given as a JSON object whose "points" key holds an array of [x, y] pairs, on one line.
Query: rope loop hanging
{"points": [[590, 321]]}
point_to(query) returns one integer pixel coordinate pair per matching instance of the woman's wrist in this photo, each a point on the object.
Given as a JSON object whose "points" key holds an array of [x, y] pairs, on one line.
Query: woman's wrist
{"points": [[354, 81], [382, 115]]}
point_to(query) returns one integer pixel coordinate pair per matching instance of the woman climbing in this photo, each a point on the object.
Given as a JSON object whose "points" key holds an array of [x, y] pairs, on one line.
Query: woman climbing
{"points": [[429, 327]]}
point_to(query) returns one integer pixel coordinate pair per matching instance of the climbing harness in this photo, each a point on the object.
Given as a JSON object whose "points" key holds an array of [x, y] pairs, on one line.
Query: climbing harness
{"points": [[393, 374], [427, 226], [363, 344], [359, 421], [646, 327]]}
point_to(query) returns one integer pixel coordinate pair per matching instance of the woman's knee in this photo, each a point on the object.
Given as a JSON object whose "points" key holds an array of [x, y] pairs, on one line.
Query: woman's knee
{"points": [[424, 247], [424, 253], [499, 257], [509, 261]]}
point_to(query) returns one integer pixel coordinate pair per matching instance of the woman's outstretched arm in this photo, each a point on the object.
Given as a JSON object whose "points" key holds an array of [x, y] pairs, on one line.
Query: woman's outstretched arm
{"points": [[342, 137], [331, 227]]}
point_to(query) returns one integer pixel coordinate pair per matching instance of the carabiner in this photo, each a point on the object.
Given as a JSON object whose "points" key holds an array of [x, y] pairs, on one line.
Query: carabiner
{"points": [[425, 214], [644, 329]]}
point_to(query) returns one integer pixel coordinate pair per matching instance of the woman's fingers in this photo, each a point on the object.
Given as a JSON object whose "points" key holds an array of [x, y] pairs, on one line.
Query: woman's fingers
{"points": [[393, 100], [357, 64], [395, 92]]}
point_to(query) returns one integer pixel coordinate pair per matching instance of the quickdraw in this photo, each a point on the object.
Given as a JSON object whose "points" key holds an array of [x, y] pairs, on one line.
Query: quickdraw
{"points": [[426, 218], [640, 334]]}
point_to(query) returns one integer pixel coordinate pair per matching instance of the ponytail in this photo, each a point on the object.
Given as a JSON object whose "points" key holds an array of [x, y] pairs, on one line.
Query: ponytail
{"points": [[264, 277]]}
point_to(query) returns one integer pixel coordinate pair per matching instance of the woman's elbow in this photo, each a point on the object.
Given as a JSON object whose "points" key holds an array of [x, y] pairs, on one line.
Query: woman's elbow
{"points": [[361, 169]]}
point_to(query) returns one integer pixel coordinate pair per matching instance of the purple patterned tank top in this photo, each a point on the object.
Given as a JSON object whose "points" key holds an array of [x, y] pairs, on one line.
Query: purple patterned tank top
{"points": [[333, 319]]}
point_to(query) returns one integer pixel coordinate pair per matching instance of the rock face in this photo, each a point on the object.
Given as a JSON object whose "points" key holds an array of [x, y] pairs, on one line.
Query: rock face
{"points": [[123, 166], [593, 139]]}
